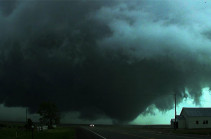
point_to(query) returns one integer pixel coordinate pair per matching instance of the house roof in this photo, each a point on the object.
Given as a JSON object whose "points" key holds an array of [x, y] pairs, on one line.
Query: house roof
{"points": [[196, 112], [180, 117]]}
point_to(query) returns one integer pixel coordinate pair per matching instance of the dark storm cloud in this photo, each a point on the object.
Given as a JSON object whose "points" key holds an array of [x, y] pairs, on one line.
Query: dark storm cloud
{"points": [[7, 6], [102, 58]]}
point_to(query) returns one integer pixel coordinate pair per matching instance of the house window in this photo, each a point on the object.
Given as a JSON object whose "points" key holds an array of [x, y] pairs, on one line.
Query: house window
{"points": [[205, 122], [197, 122]]}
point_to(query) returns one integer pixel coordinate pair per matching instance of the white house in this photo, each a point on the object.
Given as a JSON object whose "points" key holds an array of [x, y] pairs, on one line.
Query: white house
{"points": [[193, 118]]}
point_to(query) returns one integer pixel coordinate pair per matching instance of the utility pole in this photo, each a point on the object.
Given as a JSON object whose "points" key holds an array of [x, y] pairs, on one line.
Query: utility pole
{"points": [[26, 114], [26, 120], [175, 124]]}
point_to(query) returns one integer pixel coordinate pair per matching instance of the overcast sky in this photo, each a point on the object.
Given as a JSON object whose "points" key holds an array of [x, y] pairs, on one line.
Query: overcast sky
{"points": [[103, 60]]}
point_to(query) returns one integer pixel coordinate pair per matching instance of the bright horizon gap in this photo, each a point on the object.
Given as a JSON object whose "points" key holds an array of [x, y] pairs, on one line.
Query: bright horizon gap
{"points": [[160, 117]]}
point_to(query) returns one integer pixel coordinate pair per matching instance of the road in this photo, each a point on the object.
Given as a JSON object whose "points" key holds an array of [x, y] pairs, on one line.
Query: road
{"points": [[115, 133]]}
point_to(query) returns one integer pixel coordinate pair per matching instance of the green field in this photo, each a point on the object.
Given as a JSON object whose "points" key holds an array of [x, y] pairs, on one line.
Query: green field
{"points": [[193, 131], [58, 133]]}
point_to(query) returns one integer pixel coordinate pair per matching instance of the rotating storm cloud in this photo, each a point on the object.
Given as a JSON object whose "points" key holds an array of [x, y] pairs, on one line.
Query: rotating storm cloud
{"points": [[104, 59]]}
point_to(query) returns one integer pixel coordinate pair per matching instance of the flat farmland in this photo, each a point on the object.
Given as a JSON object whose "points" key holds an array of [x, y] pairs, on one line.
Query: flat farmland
{"points": [[16, 131]]}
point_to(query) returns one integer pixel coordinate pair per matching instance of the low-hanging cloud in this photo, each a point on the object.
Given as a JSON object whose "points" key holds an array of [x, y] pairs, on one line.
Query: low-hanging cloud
{"points": [[103, 58]]}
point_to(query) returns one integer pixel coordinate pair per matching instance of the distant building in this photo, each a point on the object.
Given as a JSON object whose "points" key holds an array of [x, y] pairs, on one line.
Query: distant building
{"points": [[45, 127], [193, 118]]}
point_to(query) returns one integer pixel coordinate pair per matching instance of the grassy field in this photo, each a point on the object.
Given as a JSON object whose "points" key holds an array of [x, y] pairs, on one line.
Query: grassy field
{"points": [[193, 131], [160, 129], [58, 133]]}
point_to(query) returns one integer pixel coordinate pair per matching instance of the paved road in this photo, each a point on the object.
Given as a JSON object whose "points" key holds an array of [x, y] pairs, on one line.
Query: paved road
{"points": [[112, 133]]}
